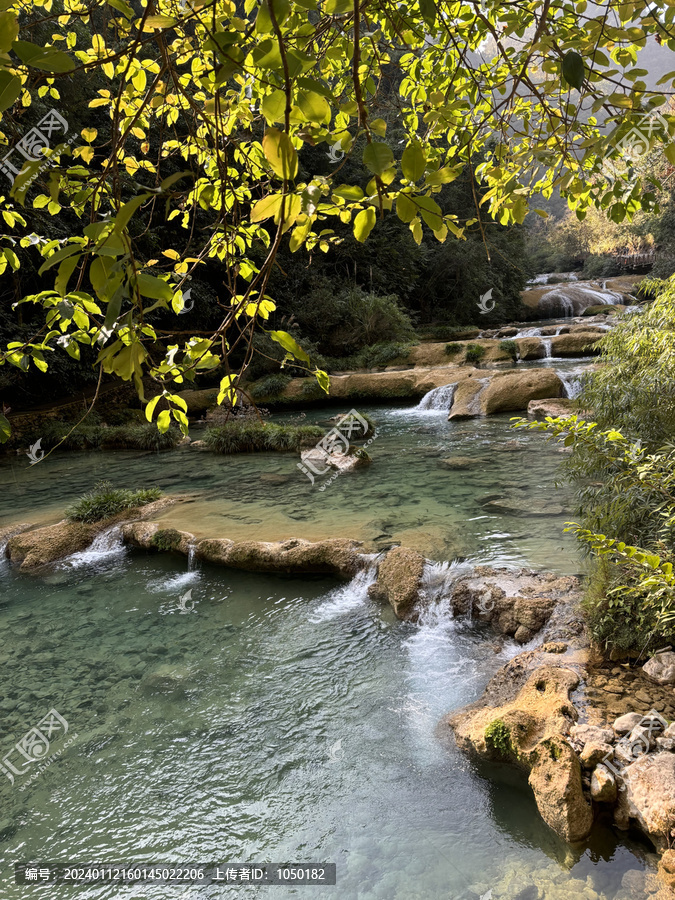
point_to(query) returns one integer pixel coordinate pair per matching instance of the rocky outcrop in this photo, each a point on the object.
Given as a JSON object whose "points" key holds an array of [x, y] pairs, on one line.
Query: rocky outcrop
{"points": [[540, 409], [649, 796], [399, 581], [339, 557], [530, 348], [319, 462], [526, 728], [42, 546], [513, 391], [465, 402], [517, 602], [580, 344]]}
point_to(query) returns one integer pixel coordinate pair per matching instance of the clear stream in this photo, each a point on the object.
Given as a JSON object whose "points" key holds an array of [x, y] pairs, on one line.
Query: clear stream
{"points": [[282, 719]]}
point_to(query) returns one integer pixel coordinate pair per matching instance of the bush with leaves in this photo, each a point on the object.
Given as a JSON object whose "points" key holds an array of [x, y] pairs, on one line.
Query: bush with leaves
{"points": [[105, 501]]}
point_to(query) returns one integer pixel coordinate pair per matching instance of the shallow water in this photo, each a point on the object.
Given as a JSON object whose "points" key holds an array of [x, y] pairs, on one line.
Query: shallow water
{"points": [[279, 720], [406, 495]]}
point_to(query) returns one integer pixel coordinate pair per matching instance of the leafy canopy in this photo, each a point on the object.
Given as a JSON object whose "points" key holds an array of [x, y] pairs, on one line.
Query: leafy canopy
{"points": [[204, 106]]}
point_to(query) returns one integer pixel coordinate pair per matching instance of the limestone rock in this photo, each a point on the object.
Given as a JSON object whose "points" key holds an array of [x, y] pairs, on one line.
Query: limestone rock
{"points": [[460, 462], [667, 868], [661, 668], [540, 409], [650, 795], [585, 734], [594, 753], [399, 577], [513, 391], [603, 785], [517, 507], [335, 556], [526, 730], [579, 344], [530, 348], [465, 405], [625, 724]]}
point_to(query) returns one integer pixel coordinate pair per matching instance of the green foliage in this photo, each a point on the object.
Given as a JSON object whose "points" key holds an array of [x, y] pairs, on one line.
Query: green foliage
{"points": [[448, 332], [509, 347], [376, 357], [498, 737], [105, 501], [600, 310], [166, 539], [269, 387], [452, 349], [253, 437], [474, 353]]}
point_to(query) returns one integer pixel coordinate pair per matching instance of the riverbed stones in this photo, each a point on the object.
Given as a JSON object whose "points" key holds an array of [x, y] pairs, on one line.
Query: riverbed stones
{"points": [[399, 581], [661, 668], [625, 724], [593, 753], [586, 734]]}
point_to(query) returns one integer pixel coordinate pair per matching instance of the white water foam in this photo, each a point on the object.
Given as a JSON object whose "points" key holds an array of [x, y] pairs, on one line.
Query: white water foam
{"points": [[440, 398], [104, 548], [573, 382], [174, 583], [346, 598]]}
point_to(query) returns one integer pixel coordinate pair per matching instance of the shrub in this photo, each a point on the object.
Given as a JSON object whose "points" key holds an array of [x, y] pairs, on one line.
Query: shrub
{"points": [[474, 352], [143, 436], [106, 501], [509, 347], [268, 387], [256, 437], [370, 357], [448, 332], [451, 349], [166, 539]]}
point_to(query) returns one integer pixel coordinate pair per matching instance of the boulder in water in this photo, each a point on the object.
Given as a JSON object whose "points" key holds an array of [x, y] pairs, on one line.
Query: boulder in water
{"points": [[512, 391], [530, 348], [540, 409], [517, 507], [339, 557], [661, 668], [649, 797], [582, 343], [399, 580], [460, 462]]}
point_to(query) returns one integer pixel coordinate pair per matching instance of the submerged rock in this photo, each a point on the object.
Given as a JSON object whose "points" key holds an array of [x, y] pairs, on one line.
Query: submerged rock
{"points": [[517, 507], [540, 409]]}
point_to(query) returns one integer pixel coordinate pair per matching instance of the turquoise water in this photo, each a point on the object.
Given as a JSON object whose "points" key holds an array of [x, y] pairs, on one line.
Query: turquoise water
{"points": [[281, 719]]}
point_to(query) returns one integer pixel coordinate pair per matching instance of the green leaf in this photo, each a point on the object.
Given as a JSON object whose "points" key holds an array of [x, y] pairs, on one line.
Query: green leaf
{"points": [[323, 379], [121, 6], [10, 88], [428, 10], [378, 157], [66, 269], [280, 153], [263, 21], [5, 429], [670, 154], [267, 207], [46, 58], [153, 22], [152, 287], [314, 107], [573, 70], [290, 345], [339, 7], [406, 210], [57, 257], [150, 408], [9, 30], [164, 420], [348, 192], [364, 223], [126, 212], [413, 161]]}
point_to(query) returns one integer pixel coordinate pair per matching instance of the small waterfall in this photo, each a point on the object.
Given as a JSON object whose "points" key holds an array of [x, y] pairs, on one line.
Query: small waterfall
{"points": [[573, 382], [529, 332], [572, 299], [347, 597], [107, 545], [547, 347], [474, 406], [439, 398], [438, 581], [192, 548]]}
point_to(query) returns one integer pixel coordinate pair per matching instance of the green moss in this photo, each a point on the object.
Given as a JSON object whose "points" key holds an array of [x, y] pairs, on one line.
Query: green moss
{"points": [[166, 539], [554, 750], [106, 501], [498, 737]]}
